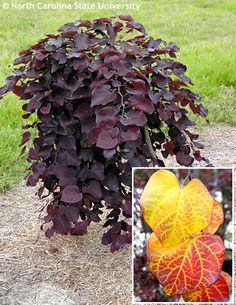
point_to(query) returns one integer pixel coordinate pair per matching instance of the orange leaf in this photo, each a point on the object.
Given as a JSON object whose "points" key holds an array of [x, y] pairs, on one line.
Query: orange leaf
{"points": [[216, 292], [192, 265], [175, 213], [217, 218]]}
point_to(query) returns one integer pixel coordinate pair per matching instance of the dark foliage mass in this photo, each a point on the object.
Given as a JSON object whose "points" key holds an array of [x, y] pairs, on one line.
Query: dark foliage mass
{"points": [[107, 97]]}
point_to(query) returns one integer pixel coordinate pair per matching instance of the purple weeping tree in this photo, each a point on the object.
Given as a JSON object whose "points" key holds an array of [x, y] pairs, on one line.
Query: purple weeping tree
{"points": [[106, 97]]}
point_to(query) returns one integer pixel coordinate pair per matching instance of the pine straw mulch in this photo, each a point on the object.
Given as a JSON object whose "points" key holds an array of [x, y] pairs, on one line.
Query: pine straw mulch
{"points": [[70, 270], [65, 270]]}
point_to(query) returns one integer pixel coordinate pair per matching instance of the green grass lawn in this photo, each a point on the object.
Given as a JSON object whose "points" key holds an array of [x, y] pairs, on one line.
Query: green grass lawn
{"points": [[204, 30]]}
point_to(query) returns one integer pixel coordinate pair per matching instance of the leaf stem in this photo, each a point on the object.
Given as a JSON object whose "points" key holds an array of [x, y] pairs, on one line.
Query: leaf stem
{"points": [[187, 178]]}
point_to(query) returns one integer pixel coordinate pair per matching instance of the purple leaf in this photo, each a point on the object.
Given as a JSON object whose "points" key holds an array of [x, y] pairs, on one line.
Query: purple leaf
{"points": [[192, 136], [49, 232], [32, 180], [25, 137], [10, 83], [31, 73], [34, 104], [81, 41], [111, 59], [203, 110], [83, 111], [39, 168], [70, 212], [165, 114], [33, 87], [106, 238], [126, 17], [161, 81], [134, 117], [71, 194], [68, 157], [18, 90], [142, 103], [107, 139], [86, 155], [127, 208], [60, 56], [109, 153], [94, 189], [155, 97], [68, 30], [184, 159], [46, 109], [92, 135], [94, 217], [139, 87], [107, 115], [118, 243], [68, 142], [184, 123], [23, 59], [198, 145], [33, 154], [111, 182], [4, 90], [102, 95], [132, 133], [61, 225], [98, 171], [56, 42], [80, 228], [66, 175], [135, 25], [41, 56], [81, 63], [132, 50]]}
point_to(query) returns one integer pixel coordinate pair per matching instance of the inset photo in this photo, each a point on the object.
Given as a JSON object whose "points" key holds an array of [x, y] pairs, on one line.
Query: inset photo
{"points": [[183, 235]]}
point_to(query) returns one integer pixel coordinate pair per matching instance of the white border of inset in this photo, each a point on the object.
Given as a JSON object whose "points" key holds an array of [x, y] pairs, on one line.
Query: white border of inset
{"points": [[232, 168]]}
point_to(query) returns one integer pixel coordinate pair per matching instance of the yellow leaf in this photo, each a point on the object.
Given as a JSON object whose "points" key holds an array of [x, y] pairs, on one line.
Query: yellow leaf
{"points": [[173, 212]]}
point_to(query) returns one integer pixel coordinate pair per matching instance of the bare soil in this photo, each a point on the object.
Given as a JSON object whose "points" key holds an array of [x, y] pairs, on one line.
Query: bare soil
{"points": [[70, 270]]}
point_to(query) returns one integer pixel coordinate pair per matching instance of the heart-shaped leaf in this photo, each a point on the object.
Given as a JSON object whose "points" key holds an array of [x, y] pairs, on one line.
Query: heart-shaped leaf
{"points": [[93, 188], [71, 194], [102, 95], [141, 103], [173, 212], [216, 292], [192, 265], [131, 134], [134, 117], [107, 139]]}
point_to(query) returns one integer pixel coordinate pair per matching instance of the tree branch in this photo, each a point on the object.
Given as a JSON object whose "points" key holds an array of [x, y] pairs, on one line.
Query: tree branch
{"points": [[149, 143]]}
